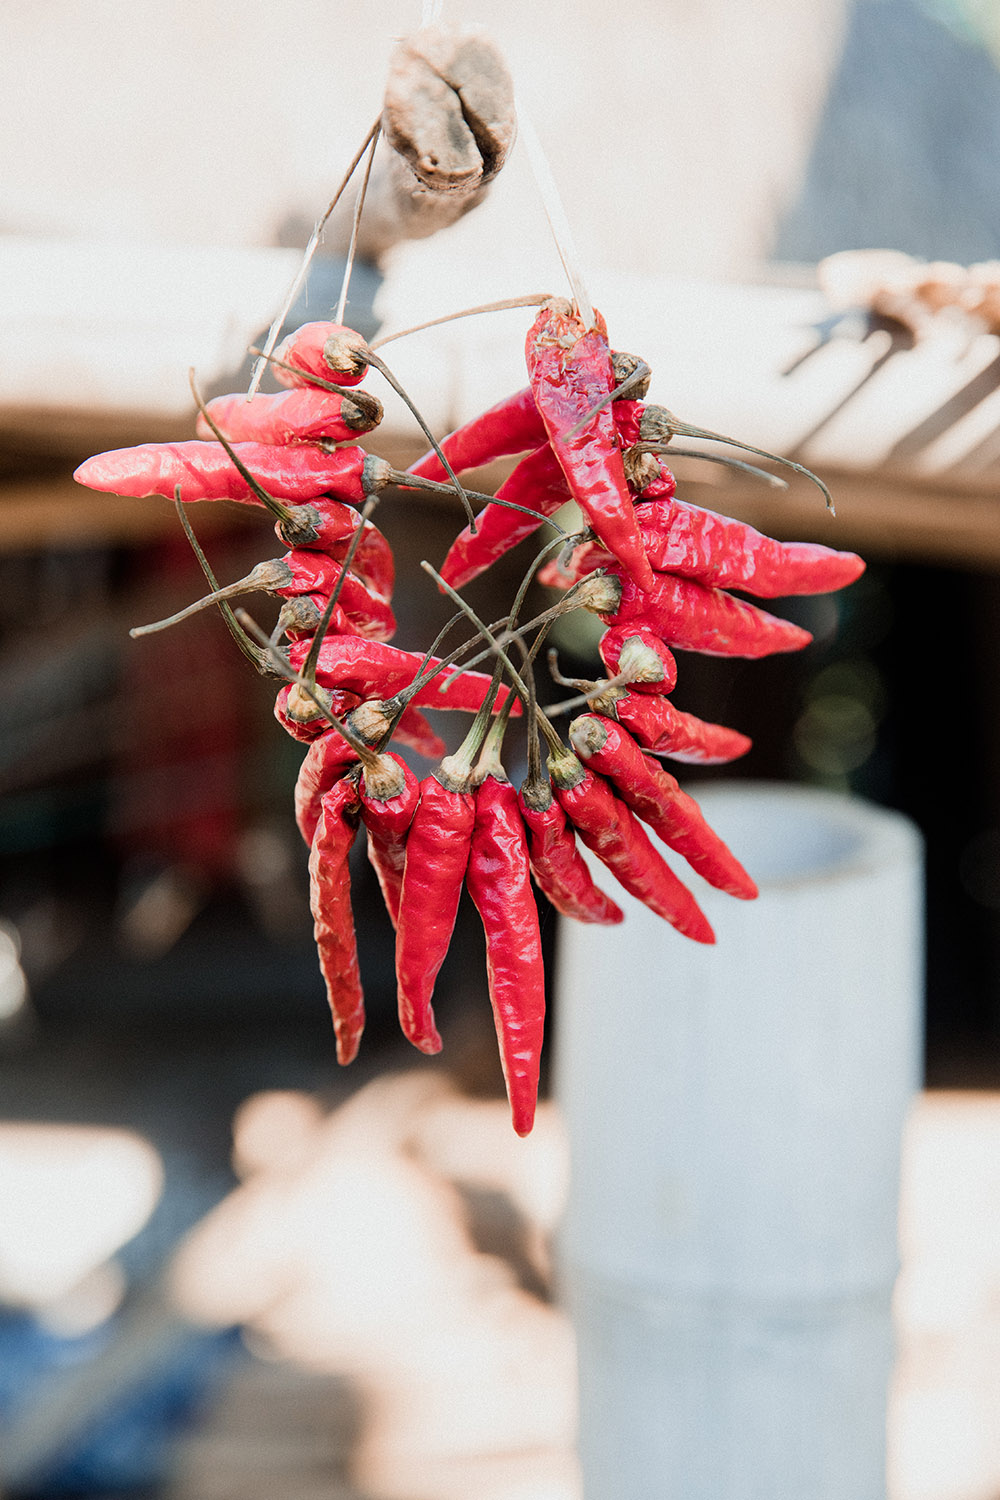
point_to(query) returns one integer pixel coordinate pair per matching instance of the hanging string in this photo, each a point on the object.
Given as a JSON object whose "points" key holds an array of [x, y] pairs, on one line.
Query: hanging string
{"points": [[556, 215]]}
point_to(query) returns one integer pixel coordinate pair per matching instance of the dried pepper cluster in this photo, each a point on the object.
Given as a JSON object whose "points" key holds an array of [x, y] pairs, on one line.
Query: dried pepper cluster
{"points": [[657, 572]]}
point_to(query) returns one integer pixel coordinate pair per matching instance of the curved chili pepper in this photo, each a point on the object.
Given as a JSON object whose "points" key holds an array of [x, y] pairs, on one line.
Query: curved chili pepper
{"points": [[691, 617], [500, 887], [204, 471], [611, 831], [326, 760], [389, 798], [377, 670], [722, 553], [437, 853], [556, 863], [655, 797], [637, 650], [569, 368], [538, 483], [330, 901], [297, 416], [327, 350], [513, 425], [657, 725], [302, 572]]}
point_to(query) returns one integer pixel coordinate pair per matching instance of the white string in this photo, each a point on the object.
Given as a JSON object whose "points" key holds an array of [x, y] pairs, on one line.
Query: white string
{"points": [[556, 215], [430, 12]]}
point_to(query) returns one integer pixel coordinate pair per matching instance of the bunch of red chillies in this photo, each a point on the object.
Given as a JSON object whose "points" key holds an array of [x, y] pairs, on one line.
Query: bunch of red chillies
{"points": [[655, 569]]}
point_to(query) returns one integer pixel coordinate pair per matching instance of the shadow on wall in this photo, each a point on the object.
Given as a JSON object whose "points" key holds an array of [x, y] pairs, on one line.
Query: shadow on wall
{"points": [[906, 149]]}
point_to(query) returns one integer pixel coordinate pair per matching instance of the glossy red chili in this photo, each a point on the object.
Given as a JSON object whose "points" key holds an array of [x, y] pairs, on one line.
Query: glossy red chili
{"points": [[638, 651], [569, 368], [305, 415], [500, 886], [377, 670], [389, 796], [655, 797], [327, 350], [657, 725], [691, 617], [330, 901], [204, 471], [557, 864], [610, 830]]}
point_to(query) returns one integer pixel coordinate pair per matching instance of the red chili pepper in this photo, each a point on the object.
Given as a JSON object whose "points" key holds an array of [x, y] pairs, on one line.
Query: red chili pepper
{"points": [[297, 416], [639, 651], [330, 900], [610, 830], [377, 670], [556, 862], [657, 725], [313, 723], [538, 483], [327, 350], [333, 525], [389, 796], [500, 886], [655, 797], [437, 853], [569, 368], [690, 617], [302, 572], [722, 553], [326, 760], [513, 425], [204, 471]]}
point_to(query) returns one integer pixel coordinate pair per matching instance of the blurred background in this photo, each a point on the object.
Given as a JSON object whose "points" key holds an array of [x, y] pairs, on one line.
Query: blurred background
{"points": [[211, 1239]]}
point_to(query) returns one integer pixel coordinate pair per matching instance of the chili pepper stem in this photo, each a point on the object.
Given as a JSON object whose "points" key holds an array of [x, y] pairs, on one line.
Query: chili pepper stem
{"points": [[671, 450], [338, 316], [274, 331], [685, 429], [536, 299], [250, 651], [266, 576], [279, 511]]}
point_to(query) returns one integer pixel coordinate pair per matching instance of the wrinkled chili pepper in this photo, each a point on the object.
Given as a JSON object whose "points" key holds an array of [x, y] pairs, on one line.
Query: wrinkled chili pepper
{"points": [[500, 887], [204, 471], [374, 669], [611, 831], [657, 725], [691, 617], [330, 351], [513, 425], [389, 796], [569, 368], [305, 415], [655, 797], [639, 652], [326, 760], [330, 900], [556, 862]]}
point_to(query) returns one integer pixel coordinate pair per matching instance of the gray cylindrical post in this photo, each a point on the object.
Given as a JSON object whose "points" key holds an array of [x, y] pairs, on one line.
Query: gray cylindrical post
{"points": [[735, 1116]]}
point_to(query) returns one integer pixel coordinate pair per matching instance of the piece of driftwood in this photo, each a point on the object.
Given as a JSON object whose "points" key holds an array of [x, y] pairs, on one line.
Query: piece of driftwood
{"points": [[449, 118]]}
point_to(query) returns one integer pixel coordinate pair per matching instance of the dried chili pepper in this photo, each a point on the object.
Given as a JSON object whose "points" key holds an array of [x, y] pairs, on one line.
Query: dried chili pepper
{"points": [[327, 350], [556, 863], [296, 416], [374, 669], [513, 425], [691, 617], [330, 900], [655, 797], [500, 887], [609, 829], [389, 796], [657, 725], [326, 760], [569, 368], [204, 471], [637, 653]]}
